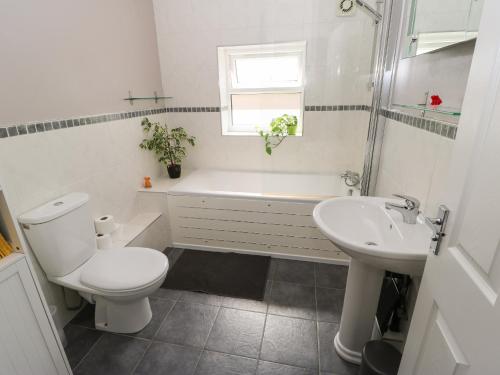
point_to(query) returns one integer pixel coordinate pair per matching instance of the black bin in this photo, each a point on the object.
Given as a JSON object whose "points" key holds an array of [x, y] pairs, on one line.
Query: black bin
{"points": [[379, 358]]}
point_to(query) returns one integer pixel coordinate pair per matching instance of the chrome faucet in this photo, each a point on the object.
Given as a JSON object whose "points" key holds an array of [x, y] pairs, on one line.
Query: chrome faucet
{"points": [[351, 178], [409, 210]]}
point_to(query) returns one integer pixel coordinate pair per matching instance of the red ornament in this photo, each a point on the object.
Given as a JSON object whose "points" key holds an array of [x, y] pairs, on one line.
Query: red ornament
{"points": [[436, 100]]}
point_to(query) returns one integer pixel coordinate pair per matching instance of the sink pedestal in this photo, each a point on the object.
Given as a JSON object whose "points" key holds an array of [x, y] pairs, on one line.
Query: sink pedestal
{"points": [[363, 288]]}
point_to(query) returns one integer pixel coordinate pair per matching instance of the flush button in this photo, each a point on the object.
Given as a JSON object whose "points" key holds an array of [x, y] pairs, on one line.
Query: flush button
{"points": [[58, 203]]}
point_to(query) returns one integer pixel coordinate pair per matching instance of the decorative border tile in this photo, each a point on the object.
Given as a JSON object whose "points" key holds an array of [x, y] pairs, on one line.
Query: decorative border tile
{"points": [[307, 108], [334, 108], [442, 128], [39, 127], [193, 109]]}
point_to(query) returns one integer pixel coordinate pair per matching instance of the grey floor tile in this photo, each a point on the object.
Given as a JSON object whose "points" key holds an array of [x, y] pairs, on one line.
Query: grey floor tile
{"points": [[271, 368], [160, 308], [237, 332], [188, 324], [294, 271], [86, 317], [329, 359], [293, 300], [170, 294], [272, 268], [329, 304], [163, 358], [331, 275], [207, 299], [249, 304], [80, 341], [290, 341], [113, 355], [212, 363]]}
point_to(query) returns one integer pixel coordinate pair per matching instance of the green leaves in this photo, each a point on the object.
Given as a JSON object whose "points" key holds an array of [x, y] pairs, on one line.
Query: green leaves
{"points": [[280, 128], [167, 145]]}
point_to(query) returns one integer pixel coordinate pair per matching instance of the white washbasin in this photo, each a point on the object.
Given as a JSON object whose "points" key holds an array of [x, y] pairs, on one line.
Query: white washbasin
{"points": [[364, 229], [377, 240]]}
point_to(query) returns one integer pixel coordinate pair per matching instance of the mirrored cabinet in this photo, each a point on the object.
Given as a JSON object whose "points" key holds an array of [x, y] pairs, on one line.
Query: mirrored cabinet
{"points": [[434, 25]]}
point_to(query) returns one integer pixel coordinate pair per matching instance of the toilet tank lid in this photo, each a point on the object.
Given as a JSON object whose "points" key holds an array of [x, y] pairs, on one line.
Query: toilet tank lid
{"points": [[54, 209]]}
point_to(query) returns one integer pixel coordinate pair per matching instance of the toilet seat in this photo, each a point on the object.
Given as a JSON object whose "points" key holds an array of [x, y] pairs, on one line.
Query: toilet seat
{"points": [[123, 270]]}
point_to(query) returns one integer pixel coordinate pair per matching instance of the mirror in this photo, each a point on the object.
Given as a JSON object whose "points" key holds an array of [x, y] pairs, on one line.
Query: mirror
{"points": [[434, 25]]}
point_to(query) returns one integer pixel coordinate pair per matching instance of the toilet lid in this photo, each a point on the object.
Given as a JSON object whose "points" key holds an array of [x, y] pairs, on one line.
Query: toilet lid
{"points": [[124, 269]]}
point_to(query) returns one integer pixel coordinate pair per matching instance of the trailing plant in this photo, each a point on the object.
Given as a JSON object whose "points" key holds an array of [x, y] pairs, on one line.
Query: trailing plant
{"points": [[280, 128], [167, 144]]}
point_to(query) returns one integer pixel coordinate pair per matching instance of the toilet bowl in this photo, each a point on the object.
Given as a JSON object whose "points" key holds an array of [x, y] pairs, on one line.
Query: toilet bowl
{"points": [[117, 280]]}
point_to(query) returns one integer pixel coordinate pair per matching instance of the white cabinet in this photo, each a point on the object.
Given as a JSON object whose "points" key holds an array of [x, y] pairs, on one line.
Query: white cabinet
{"points": [[28, 344]]}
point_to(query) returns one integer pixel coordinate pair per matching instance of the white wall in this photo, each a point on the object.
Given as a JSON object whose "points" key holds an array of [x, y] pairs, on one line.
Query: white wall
{"points": [[63, 60], [414, 162], [337, 72], [332, 142]]}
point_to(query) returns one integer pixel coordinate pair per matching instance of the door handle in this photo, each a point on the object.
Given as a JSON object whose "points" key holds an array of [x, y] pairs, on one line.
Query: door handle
{"points": [[438, 226]]}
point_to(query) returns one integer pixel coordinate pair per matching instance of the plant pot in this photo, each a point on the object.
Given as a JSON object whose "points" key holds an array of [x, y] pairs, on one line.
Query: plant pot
{"points": [[174, 170], [292, 130]]}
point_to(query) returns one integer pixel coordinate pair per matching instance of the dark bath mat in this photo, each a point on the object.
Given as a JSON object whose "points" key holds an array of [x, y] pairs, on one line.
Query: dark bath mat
{"points": [[224, 274]]}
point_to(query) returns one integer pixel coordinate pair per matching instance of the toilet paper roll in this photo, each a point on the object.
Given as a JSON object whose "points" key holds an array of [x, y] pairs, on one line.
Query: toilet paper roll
{"points": [[104, 241], [105, 224]]}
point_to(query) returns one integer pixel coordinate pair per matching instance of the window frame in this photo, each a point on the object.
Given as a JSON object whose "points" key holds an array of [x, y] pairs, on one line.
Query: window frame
{"points": [[227, 57]]}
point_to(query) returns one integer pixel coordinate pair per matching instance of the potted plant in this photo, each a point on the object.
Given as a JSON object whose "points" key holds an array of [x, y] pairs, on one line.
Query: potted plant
{"points": [[280, 128], [167, 144]]}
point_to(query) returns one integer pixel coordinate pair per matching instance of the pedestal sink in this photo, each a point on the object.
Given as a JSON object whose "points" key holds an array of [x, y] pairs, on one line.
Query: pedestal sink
{"points": [[376, 239]]}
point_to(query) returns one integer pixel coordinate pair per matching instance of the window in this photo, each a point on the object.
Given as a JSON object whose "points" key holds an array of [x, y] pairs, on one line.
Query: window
{"points": [[259, 83]]}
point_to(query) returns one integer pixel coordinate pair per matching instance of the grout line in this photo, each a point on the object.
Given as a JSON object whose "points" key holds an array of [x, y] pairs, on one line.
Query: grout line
{"points": [[212, 327], [317, 321], [268, 303], [206, 341], [90, 349], [163, 321], [261, 342], [142, 357], [198, 361]]}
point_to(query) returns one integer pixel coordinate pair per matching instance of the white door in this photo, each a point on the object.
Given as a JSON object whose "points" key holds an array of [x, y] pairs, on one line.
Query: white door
{"points": [[456, 323]]}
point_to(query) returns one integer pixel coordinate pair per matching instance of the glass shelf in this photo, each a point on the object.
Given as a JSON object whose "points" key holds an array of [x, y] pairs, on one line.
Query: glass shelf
{"points": [[149, 98], [437, 109], [155, 97]]}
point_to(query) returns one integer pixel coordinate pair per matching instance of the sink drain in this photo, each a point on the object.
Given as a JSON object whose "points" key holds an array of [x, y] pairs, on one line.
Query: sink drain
{"points": [[370, 243]]}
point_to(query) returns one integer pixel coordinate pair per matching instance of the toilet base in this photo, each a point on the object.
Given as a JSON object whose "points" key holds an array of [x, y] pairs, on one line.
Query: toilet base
{"points": [[122, 316]]}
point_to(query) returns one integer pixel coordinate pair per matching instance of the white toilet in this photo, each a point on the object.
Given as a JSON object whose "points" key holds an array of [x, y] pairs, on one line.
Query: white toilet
{"points": [[119, 281]]}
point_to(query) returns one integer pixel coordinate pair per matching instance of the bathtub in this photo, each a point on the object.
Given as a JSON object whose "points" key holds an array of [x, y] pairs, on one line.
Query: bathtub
{"points": [[254, 212]]}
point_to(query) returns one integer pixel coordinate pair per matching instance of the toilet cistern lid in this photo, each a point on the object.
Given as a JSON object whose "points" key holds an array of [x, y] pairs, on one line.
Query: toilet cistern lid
{"points": [[54, 209], [124, 269]]}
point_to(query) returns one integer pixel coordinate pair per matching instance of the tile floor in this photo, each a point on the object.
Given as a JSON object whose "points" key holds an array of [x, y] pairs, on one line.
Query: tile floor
{"points": [[290, 333]]}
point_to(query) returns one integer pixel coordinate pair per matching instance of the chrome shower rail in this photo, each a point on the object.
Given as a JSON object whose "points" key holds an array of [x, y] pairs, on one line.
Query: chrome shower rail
{"points": [[375, 14]]}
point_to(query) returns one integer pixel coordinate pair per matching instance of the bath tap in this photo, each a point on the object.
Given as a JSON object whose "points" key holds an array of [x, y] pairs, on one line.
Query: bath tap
{"points": [[409, 210], [351, 178]]}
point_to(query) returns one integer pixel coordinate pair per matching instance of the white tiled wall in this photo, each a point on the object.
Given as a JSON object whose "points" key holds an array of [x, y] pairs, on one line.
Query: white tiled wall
{"points": [[414, 162], [337, 72], [332, 142]]}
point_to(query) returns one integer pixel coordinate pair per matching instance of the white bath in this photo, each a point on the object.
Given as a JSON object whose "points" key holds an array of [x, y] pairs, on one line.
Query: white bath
{"points": [[263, 185], [252, 212]]}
